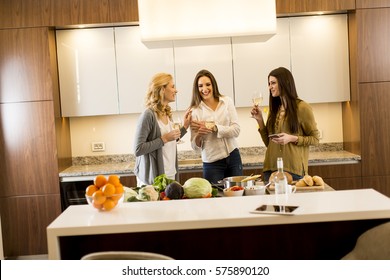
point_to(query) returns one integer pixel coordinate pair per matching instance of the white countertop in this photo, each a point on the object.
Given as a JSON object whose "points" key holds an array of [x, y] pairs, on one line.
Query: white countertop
{"points": [[215, 212]]}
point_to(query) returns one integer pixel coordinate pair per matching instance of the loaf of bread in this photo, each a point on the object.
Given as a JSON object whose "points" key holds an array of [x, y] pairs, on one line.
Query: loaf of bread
{"points": [[318, 181], [309, 181]]}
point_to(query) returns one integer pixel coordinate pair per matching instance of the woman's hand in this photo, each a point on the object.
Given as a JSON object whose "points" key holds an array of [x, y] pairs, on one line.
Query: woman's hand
{"points": [[187, 118], [285, 138], [171, 136], [257, 114]]}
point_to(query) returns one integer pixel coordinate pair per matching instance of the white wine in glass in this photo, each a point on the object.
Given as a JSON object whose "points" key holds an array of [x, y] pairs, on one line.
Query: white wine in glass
{"points": [[257, 98], [177, 125], [209, 124]]}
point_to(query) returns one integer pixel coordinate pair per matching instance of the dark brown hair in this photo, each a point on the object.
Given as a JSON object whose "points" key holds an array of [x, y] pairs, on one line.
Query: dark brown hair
{"points": [[196, 98], [289, 94]]}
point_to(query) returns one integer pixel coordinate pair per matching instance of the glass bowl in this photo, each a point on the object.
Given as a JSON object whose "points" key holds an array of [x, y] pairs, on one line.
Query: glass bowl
{"points": [[105, 203]]}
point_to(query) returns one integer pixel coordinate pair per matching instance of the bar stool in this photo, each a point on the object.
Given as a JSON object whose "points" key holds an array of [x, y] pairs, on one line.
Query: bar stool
{"points": [[125, 255]]}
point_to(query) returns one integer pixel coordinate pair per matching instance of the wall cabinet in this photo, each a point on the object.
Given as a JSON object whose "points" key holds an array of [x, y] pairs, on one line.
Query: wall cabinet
{"points": [[87, 72], [314, 48], [107, 70], [252, 62], [136, 65], [191, 56], [319, 58]]}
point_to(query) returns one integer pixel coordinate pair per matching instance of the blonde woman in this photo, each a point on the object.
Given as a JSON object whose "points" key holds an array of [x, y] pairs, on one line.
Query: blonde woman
{"points": [[155, 139]]}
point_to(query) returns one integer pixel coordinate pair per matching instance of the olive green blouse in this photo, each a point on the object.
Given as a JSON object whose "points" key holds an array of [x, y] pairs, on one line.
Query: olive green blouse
{"points": [[295, 155]]}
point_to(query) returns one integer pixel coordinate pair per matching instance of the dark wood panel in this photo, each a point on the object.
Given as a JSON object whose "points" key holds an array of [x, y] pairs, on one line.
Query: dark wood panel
{"points": [[28, 158], [124, 11], [347, 183], [24, 13], [307, 241], [303, 6], [71, 12], [379, 183], [375, 127], [373, 45], [24, 221], [336, 170], [361, 4], [25, 62]]}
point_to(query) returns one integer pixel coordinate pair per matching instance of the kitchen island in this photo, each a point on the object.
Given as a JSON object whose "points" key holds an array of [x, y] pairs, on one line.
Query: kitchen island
{"points": [[325, 226]]}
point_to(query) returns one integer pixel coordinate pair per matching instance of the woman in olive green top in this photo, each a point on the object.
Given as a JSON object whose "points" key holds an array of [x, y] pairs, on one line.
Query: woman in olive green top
{"points": [[290, 127]]}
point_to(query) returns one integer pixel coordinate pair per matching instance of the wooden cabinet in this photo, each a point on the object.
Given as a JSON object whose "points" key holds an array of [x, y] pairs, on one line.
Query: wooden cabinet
{"points": [[24, 221], [29, 193], [373, 45], [25, 63], [87, 72], [191, 56], [136, 64]]}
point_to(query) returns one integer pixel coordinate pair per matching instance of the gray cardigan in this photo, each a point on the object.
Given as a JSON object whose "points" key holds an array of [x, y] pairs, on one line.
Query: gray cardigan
{"points": [[148, 145]]}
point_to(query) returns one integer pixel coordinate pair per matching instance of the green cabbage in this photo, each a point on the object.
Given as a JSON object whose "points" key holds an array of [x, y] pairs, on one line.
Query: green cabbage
{"points": [[197, 188]]}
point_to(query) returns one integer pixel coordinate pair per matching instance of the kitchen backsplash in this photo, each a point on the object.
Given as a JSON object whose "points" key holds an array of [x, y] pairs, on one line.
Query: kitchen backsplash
{"points": [[117, 131]]}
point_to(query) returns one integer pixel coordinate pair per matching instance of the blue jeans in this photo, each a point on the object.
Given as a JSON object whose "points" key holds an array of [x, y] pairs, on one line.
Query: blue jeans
{"points": [[267, 174], [227, 167]]}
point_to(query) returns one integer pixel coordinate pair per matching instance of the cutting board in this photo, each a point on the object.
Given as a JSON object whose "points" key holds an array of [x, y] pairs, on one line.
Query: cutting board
{"points": [[313, 188]]}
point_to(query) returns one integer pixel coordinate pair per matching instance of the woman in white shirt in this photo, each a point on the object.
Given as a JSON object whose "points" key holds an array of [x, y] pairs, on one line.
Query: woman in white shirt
{"points": [[218, 144]]}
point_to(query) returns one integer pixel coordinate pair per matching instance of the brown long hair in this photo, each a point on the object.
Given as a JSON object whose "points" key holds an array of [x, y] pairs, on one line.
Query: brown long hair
{"points": [[155, 94], [289, 94], [196, 98]]}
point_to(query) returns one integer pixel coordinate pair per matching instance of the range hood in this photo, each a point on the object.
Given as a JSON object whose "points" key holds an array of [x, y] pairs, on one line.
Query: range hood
{"points": [[162, 20]]}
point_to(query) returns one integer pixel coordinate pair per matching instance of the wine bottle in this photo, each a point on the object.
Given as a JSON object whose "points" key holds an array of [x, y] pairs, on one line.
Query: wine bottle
{"points": [[280, 179]]}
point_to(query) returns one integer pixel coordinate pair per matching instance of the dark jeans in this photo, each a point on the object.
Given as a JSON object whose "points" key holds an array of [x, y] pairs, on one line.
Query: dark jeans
{"points": [[227, 167], [267, 174]]}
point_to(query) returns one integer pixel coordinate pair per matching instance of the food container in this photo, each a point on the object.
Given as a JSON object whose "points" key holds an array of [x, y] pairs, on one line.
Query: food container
{"points": [[107, 203], [236, 181], [255, 190], [233, 191]]}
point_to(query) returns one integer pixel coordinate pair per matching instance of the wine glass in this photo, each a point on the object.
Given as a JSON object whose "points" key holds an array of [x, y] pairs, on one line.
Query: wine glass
{"points": [[210, 123], [257, 98], [177, 124]]}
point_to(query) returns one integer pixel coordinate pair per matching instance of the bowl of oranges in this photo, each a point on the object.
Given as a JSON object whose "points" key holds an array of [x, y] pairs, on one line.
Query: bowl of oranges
{"points": [[106, 192]]}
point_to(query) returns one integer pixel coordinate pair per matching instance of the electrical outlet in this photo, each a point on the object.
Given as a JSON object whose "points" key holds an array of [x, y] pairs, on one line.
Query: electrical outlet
{"points": [[98, 146]]}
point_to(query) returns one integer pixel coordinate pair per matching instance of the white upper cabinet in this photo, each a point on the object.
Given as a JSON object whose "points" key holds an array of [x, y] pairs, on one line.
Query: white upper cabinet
{"points": [[87, 72], [136, 65], [191, 56], [252, 62], [319, 58]]}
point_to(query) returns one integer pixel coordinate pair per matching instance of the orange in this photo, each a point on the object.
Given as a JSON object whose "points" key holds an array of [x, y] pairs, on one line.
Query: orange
{"points": [[108, 189], [99, 197], [90, 190], [114, 179], [119, 189], [109, 204], [100, 181], [97, 206]]}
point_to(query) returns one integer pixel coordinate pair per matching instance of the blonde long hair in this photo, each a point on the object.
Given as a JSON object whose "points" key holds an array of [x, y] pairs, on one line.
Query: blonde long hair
{"points": [[155, 95]]}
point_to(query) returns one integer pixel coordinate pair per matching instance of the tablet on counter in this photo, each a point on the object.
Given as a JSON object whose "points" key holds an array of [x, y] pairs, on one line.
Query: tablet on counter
{"points": [[275, 209]]}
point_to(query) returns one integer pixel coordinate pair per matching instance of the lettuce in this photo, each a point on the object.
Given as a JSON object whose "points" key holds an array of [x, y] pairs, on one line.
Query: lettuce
{"points": [[197, 188]]}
